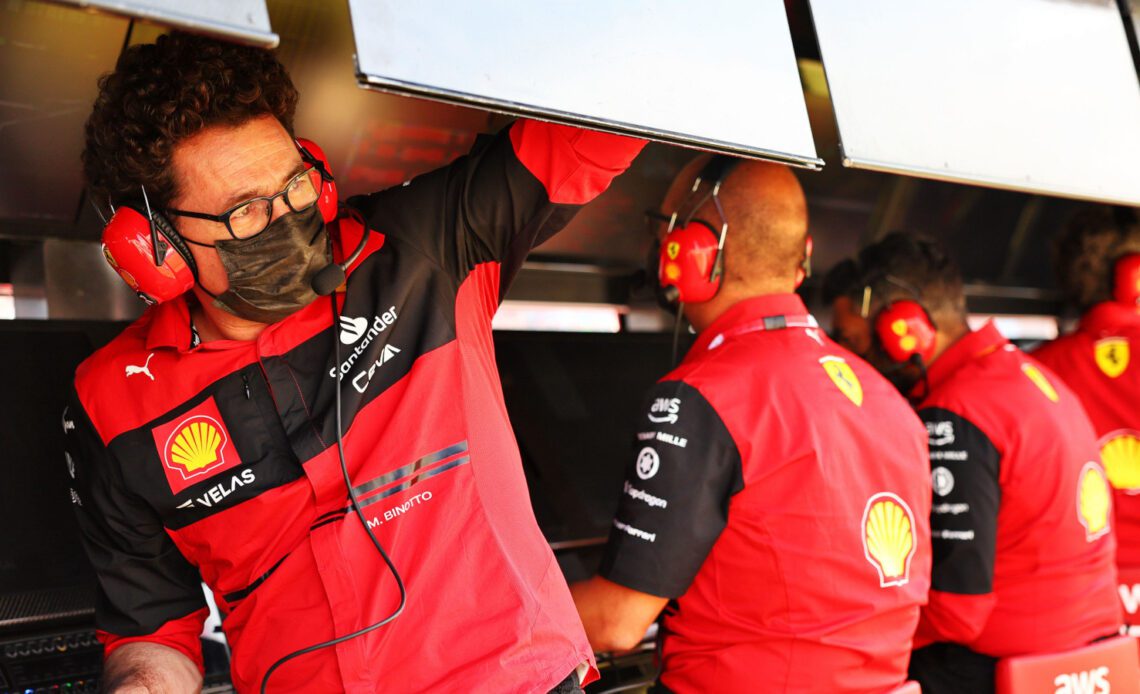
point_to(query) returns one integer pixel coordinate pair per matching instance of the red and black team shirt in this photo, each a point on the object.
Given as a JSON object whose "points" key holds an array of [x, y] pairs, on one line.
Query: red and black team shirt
{"points": [[1021, 523], [218, 463], [780, 494], [1096, 362]]}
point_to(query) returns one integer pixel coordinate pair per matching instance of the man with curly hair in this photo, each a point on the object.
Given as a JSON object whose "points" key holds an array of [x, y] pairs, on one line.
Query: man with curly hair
{"points": [[1096, 258], [272, 443]]}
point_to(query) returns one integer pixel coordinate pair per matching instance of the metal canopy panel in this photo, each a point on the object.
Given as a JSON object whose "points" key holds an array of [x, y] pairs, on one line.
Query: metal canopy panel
{"points": [[246, 21], [718, 75], [1033, 95]]}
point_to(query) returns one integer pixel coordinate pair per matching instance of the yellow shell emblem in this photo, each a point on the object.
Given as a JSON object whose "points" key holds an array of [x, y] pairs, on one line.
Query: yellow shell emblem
{"points": [[1120, 454], [196, 445], [888, 538], [672, 271], [1093, 501], [1040, 381], [844, 378], [672, 249], [1112, 355]]}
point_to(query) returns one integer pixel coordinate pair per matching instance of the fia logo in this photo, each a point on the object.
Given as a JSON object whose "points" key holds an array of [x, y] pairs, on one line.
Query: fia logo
{"points": [[133, 370]]}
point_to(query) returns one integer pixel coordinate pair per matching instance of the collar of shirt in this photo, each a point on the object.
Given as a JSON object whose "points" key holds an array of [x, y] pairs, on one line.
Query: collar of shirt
{"points": [[969, 347], [170, 326], [768, 312], [1108, 317]]}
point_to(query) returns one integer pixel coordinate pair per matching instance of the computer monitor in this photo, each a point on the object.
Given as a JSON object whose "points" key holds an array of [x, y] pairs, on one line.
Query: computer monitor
{"points": [[44, 572]]}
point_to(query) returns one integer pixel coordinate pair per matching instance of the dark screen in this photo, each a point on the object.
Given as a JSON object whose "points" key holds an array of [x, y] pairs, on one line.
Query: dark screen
{"points": [[573, 401], [39, 548]]}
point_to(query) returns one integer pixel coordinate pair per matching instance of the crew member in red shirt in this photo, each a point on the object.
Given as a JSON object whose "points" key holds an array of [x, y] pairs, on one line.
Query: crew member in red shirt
{"points": [[1098, 266], [1021, 519], [322, 457], [777, 501]]}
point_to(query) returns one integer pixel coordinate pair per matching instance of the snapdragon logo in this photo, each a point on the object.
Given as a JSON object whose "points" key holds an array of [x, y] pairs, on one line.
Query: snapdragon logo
{"points": [[360, 333]]}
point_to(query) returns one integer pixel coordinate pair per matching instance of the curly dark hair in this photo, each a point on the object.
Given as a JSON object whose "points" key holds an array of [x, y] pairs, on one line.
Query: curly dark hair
{"points": [[903, 264], [1083, 253], [162, 93]]}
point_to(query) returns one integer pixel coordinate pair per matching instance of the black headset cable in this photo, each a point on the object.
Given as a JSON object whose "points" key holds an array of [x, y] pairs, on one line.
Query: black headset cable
{"points": [[355, 504]]}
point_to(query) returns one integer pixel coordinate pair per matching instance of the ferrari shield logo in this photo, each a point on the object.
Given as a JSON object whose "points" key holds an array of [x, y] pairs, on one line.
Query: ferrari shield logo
{"points": [[673, 249], [1112, 355], [1040, 381], [844, 378]]}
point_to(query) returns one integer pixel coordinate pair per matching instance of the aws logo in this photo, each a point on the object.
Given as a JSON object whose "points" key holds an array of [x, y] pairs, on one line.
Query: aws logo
{"points": [[888, 538], [1094, 502], [1093, 681], [195, 447]]}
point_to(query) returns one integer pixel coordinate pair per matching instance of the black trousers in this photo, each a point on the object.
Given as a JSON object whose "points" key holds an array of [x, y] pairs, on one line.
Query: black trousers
{"points": [[948, 668]]}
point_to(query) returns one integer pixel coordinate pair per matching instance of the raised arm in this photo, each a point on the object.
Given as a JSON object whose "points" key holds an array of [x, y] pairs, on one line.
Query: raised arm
{"points": [[513, 191]]}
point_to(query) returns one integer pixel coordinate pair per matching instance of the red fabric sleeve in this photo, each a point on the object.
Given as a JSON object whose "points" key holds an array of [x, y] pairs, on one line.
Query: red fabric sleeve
{"points": [[183, 635], [574, 165], [953, 617]]}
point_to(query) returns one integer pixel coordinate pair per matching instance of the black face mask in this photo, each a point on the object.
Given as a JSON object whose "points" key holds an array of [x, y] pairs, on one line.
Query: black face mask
{"points": [[271, 274]]}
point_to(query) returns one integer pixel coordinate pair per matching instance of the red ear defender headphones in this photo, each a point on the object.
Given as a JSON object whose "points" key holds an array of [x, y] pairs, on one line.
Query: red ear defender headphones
{"points": [[1126, 279], [142, 246], [691, 256], [904, 328]]}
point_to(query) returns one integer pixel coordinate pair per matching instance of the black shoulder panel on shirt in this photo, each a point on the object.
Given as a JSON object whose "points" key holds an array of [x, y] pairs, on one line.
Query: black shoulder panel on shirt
{"points": [[125, 540], [674, 505], [967, 495], [483, 207]]}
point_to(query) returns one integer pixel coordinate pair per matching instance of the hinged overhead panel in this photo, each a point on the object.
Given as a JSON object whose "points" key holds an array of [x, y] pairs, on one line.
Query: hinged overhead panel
{"points": [[719, 75]]}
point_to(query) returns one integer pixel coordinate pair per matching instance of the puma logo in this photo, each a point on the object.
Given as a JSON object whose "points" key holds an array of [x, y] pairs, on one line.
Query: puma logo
{"points": [[133, 370]]}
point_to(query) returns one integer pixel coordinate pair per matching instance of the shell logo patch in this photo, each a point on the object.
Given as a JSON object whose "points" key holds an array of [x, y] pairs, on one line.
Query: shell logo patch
{"points": [[1120, 453], [672, 249], [1034, 374], [1093, 501], [195, 446], [844, 378], [888, 538], [1112, 355], [672, 271]]}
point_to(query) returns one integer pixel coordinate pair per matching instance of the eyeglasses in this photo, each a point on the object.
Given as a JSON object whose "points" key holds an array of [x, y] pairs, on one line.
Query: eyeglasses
{"points": [[248, 219]]}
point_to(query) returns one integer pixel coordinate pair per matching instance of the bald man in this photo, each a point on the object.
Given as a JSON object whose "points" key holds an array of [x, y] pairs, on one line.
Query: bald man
{"points": [[765, 497]]}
